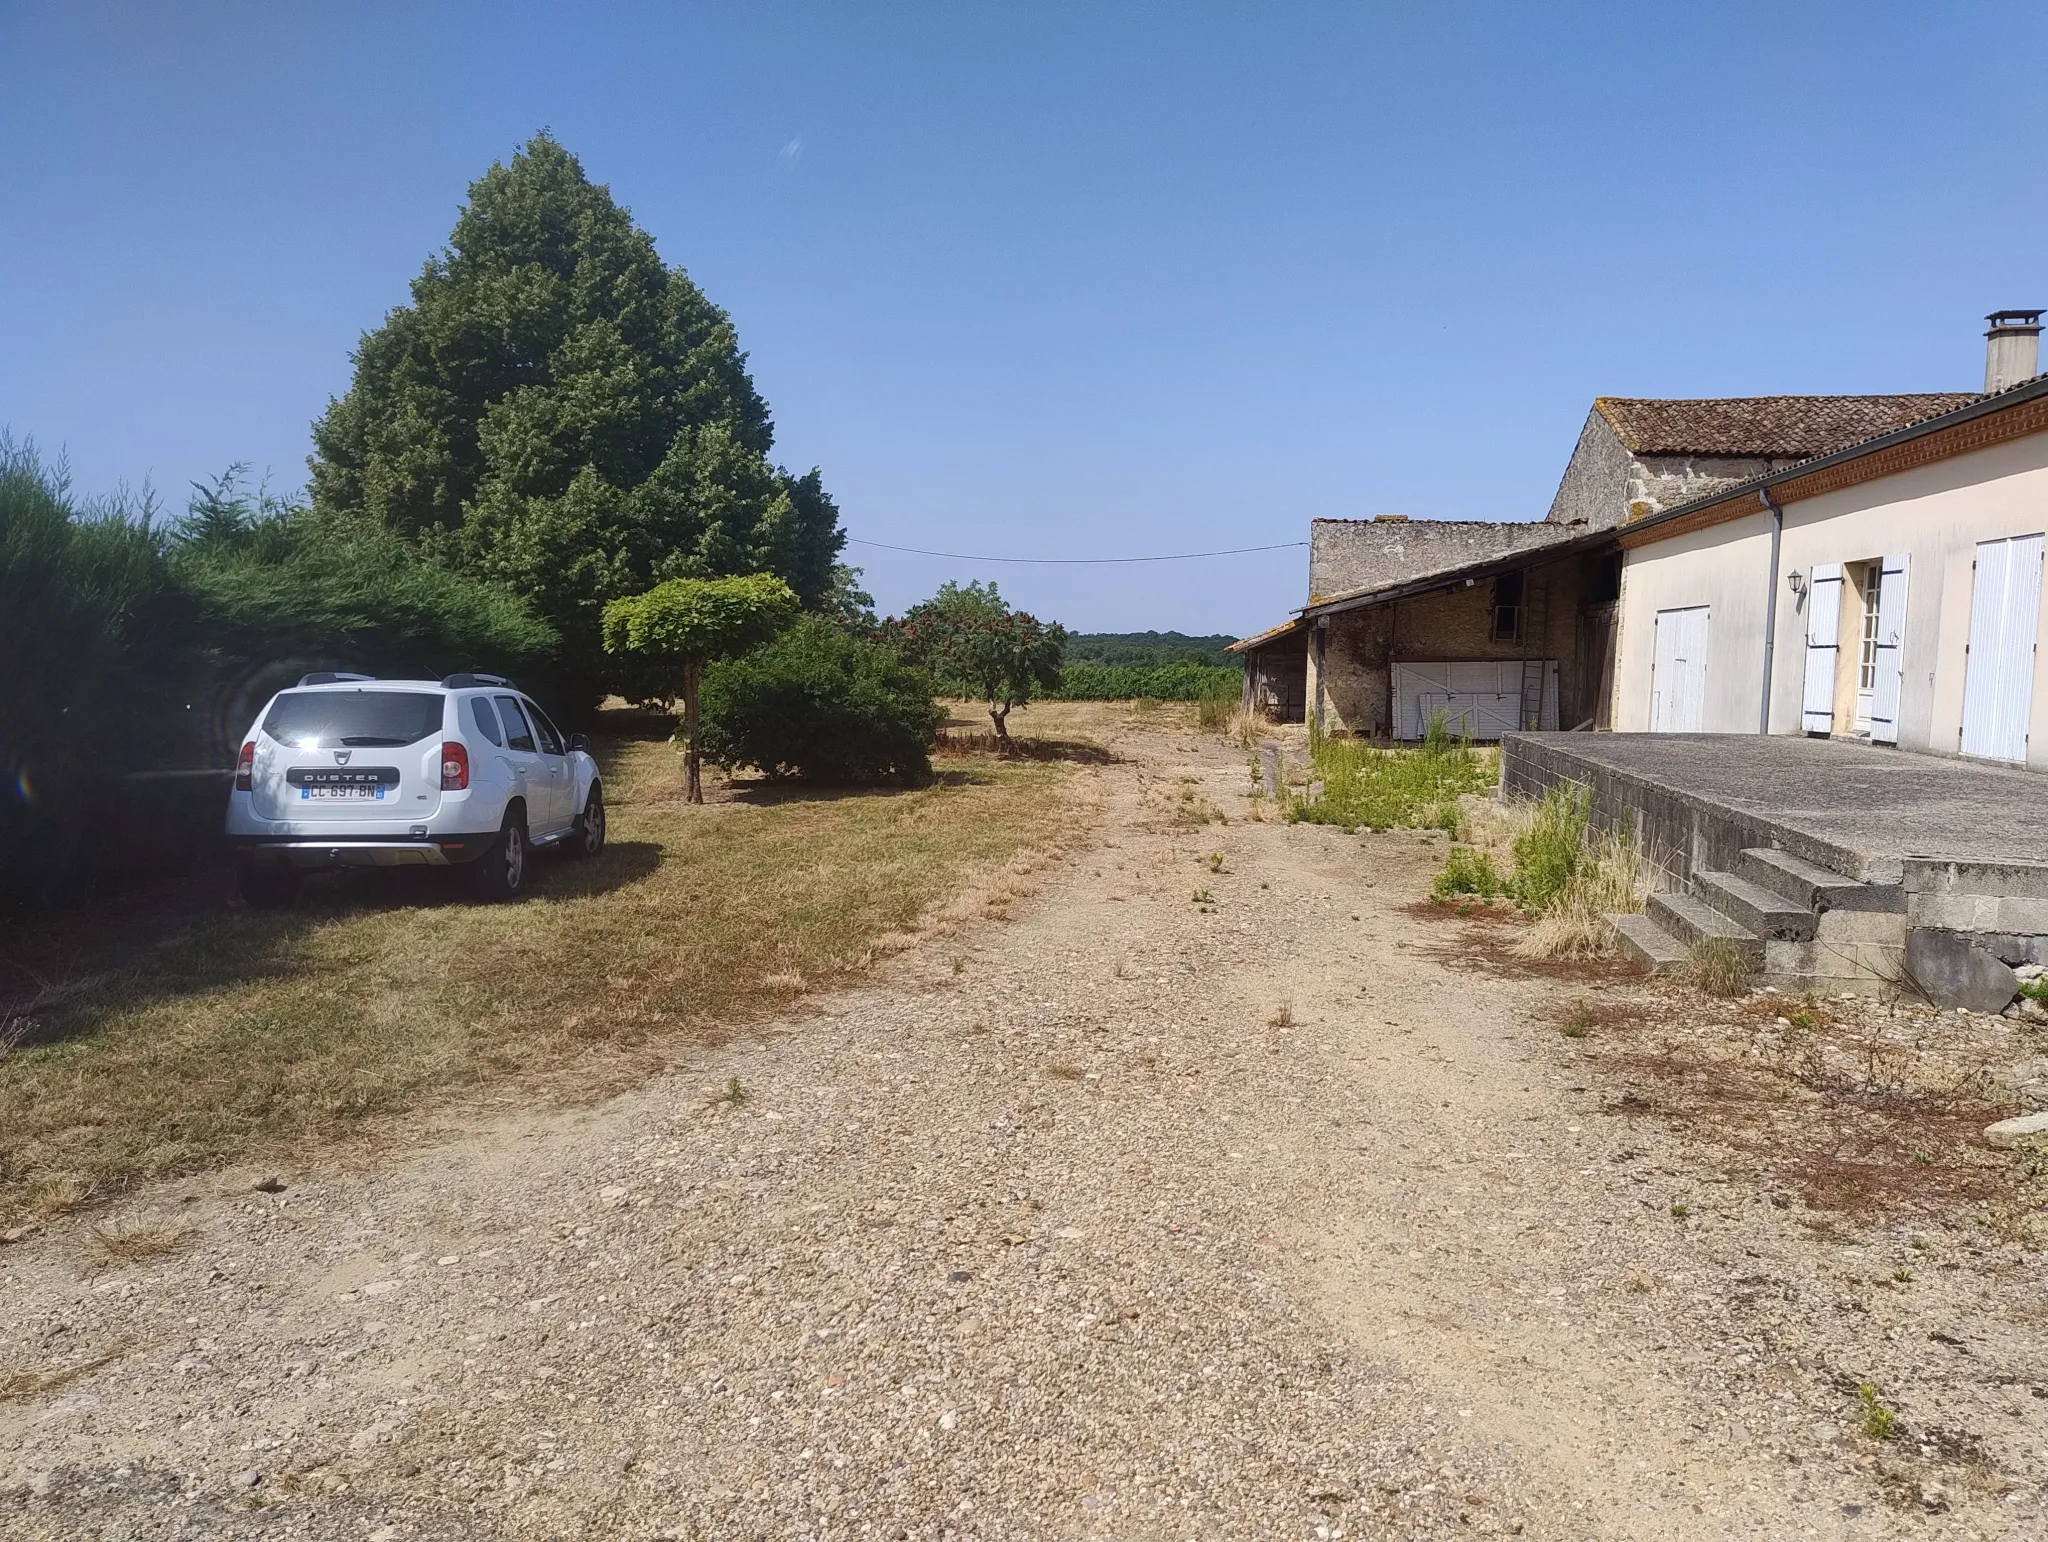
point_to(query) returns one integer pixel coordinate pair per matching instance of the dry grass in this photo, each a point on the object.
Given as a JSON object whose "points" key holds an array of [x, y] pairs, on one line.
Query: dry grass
{"points": [[137, 1240], [18, 1386], [1245, 729], [1283, 1016], [1855, 1106], [1716, 966], [198, 1031]]}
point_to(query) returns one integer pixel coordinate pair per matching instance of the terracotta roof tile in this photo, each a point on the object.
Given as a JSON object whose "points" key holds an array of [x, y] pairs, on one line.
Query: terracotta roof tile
{"points": [[1777, 427]]}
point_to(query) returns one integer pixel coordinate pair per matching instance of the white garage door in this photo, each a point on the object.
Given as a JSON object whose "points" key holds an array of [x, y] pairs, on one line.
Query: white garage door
{"points": [[1479, 698], [1678, 672]]}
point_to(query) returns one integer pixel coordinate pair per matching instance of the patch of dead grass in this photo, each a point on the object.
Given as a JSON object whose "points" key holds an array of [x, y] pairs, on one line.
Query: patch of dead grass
{"points": [[1859, 1108], [20, 1385], [207, 1031], [136, 1240]]}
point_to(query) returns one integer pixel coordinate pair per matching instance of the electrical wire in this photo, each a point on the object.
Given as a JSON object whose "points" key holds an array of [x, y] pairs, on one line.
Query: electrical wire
{"points": [[1181, 556]]}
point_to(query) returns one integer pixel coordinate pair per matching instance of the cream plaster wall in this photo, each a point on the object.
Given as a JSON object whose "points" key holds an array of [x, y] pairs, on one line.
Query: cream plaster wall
{"points": [[1725, 567], [1935, 514]]}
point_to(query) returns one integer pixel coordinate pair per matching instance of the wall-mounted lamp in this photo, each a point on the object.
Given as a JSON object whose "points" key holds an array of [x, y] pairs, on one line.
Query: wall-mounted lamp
{"points": [[1796, 582]]}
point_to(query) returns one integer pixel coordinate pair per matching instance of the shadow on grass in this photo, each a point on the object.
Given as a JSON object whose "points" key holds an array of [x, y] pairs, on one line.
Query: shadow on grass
{"points": [[982, 746], [199, 939]]}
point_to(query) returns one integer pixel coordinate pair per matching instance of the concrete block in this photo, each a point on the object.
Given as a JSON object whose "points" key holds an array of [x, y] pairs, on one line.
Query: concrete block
{"points": [[1955, 972], [2014, 949], [1850, 926], [2018, 880], [2024, 916], [1948, 911], [1645, 942]]}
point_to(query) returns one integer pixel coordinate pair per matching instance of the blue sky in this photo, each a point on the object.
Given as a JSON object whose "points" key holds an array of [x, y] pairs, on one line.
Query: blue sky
{"points": [[1043, 280]]}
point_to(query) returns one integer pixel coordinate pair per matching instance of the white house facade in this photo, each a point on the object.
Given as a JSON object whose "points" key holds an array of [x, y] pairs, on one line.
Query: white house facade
{"points": [[1891, 591]]}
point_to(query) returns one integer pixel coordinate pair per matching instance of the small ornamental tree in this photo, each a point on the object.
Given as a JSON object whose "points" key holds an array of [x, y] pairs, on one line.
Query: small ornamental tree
{"points": [[681, 625], [972, 638]]}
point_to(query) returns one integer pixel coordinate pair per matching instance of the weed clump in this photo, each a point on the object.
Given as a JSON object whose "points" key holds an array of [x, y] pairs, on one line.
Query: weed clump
{"points": [[1879, 1422], [1568, 880], [1549, 852], [1466, 871], [1367, 786], [1718, 967]]}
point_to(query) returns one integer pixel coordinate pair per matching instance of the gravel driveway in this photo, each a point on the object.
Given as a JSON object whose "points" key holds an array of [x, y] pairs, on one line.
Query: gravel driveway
{"points": [[1131, 1217]]}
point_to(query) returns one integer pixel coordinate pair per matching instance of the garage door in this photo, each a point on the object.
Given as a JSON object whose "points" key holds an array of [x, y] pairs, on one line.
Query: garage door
{"points": [[1678, 672]]}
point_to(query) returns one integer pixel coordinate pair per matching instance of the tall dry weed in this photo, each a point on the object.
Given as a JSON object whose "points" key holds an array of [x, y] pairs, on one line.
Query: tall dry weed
{"points": [[1611, 878]]}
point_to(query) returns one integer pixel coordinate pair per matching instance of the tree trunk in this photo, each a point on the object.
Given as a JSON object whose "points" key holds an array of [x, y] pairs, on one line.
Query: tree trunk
{"points": [[1000, 717], [693, 770]]}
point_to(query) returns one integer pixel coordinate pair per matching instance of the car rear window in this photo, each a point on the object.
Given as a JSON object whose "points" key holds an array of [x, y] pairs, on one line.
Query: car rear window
{"points": [[369, 719], [486, 719], [516, 735]]}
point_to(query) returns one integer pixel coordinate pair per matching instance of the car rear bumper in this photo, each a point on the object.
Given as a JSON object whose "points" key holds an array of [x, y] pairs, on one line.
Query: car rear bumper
{"points": [[368, 851]]}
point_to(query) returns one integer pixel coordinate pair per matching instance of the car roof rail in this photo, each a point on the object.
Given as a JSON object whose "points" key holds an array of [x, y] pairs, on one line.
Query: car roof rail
{"points": [[463, 682], [331, 677]]}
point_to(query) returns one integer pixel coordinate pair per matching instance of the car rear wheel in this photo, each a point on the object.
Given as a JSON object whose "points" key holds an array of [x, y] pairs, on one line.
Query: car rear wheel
{"points": [[267, 888], [587, 839], [501, 871]]}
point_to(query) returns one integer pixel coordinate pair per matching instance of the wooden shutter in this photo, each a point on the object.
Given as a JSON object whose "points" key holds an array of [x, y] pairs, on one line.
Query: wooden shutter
{"points": [[1890, 658], [1823, 644]]}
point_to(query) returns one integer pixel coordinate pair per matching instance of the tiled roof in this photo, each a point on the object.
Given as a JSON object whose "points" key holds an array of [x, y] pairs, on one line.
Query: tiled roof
{"points": [[1776, 427]]}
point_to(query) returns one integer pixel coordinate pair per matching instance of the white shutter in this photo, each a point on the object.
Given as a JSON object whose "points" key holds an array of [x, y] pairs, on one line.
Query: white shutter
{"points": [[1998, 685], [1823, 643], [1890, 652]]}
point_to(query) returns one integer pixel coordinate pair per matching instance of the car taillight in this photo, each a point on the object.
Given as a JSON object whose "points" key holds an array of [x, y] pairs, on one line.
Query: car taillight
{"points": [[454, 766], [245, 767]]}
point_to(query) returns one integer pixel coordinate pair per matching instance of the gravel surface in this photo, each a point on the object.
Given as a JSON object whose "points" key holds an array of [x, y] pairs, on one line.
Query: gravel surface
{"points": [[1140, 1215]]}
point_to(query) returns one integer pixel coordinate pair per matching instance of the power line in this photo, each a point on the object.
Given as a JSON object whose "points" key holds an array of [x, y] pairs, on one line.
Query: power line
{"points": [[1179, 556]]}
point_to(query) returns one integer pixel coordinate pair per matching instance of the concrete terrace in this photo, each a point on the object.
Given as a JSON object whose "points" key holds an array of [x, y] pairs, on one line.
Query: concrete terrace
{"points": [[1858, 809]]}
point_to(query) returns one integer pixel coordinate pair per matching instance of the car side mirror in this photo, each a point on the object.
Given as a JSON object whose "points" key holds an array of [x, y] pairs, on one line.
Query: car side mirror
{"points": [[580, 742]]}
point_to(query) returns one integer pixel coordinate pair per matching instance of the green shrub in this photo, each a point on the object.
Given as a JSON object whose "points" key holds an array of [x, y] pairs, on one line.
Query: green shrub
{"points": [[1466, 871], [1551, 850], [821, 704], [99, 668], [132, 658]]}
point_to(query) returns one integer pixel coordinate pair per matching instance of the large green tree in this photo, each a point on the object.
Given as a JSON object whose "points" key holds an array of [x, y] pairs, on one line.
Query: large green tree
{"points": [[561, 412]]}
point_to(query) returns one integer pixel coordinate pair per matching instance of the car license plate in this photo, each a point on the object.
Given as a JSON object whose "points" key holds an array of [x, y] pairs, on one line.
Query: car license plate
{"points": [[346, 794]]}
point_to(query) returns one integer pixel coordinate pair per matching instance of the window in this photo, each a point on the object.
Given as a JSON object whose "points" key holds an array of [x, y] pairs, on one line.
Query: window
{"points": [[1507, 608], [549, 739], [318, 720], [486, 719], [1866, 675], [517, 736]]}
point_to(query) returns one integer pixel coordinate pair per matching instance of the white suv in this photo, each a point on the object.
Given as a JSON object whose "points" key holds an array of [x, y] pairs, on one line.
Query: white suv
{"points": [[351, 771]]}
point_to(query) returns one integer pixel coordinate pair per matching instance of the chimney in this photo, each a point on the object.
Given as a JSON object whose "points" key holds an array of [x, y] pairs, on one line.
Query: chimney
{"points": [[2012, 352]]}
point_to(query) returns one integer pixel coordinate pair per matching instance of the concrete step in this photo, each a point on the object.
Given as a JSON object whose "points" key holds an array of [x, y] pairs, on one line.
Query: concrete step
{"points": [[1763, 911], [1815, 888], [1691, 919], [1645, 942]]}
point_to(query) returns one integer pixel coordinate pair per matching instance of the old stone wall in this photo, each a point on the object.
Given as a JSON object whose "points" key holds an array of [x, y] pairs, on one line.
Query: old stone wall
{"points": [[1606, 484], [1595, 487], [1347, 555], [1660, 482]]}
